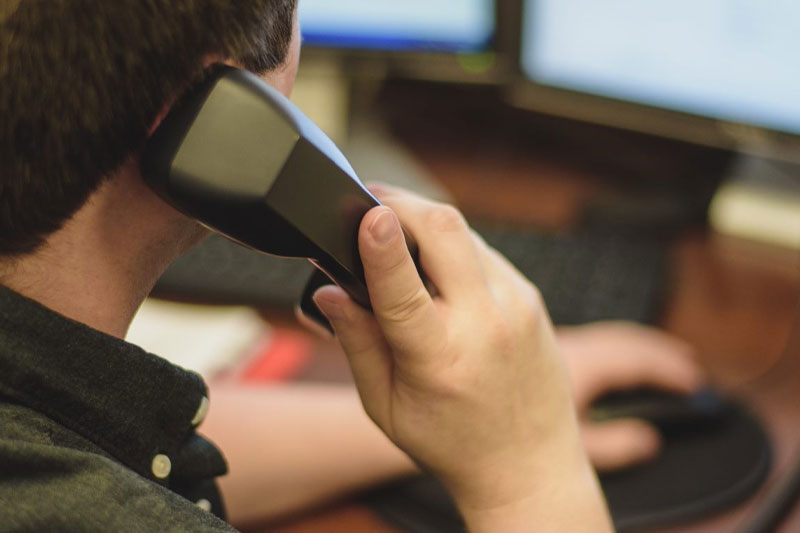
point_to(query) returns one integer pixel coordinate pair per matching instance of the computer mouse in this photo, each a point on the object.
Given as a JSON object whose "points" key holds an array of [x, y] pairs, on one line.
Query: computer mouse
{"points": [[661, 407]]}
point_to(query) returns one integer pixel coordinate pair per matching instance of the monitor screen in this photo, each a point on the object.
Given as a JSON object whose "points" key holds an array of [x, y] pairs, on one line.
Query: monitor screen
{"points": [[406, 25], [729, 60]]}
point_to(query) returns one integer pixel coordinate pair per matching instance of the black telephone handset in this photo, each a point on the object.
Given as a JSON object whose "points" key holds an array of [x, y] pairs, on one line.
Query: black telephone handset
{"points": [[239, 157]]}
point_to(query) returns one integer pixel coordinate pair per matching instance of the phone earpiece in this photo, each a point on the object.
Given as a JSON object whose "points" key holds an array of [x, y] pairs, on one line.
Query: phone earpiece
{"points": [[239, 157]]}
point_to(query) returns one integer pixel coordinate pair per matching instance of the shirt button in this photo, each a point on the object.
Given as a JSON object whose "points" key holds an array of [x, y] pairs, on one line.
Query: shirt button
{"points": [[204, 504], [161, 466], [202, 411]]}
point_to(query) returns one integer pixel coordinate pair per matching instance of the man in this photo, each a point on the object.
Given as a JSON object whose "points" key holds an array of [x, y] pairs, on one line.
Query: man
{"points": [[98, 435]]}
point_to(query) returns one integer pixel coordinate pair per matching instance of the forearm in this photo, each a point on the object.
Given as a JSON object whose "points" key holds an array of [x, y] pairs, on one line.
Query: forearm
{"points": [[295, 446]]}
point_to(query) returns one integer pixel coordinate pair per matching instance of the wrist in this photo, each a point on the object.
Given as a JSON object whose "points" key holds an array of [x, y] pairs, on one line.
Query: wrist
{"points": [[555, 491], [566, 501]]}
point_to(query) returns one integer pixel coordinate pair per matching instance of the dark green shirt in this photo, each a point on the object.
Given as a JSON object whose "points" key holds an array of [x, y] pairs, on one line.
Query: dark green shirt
{"points": [[96, 434]]}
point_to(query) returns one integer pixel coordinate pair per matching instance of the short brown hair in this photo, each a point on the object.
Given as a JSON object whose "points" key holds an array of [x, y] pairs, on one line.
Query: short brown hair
{"points": [[82, 81]]}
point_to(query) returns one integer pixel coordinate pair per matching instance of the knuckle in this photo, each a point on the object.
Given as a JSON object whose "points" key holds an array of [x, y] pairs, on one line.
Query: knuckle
{"points": [[358, 350], [391, 262], [533, 310], [481, 244], [531, 320], [405, 308], [445, 218], [535, 297], [535, 301]]}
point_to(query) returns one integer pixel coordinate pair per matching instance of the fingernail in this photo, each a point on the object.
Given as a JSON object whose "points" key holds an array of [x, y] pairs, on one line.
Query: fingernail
{"points": [[331, 308], [384, 227], [649, 442]]}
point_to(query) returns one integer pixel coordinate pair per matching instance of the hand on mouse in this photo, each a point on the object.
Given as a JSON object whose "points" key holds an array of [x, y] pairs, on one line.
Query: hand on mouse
{"points": [[605, 357], [469, 382]]}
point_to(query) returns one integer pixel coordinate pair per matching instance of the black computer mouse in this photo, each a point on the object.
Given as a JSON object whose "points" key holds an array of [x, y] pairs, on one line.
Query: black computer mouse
{"points": [[661, 407]]}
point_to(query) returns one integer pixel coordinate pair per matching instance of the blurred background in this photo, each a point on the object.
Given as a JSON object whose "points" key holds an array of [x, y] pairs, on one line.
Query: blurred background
{"points": [[636, 160]]}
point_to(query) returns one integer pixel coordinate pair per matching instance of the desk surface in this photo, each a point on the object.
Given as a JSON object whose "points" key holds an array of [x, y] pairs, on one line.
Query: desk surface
{"points": [[735, 300]]}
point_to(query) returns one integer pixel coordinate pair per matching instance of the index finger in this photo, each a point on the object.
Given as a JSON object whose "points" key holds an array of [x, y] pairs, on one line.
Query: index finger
{"points": [[403, 307], [608, 356], [448, 254]]}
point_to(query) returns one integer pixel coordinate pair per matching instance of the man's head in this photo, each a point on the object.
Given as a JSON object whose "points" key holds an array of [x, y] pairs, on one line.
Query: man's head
{"points": [[83, 81]]}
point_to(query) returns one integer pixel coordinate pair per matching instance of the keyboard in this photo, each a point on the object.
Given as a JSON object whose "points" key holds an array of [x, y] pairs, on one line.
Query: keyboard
{"points": [[590, 275], [583, 277]]}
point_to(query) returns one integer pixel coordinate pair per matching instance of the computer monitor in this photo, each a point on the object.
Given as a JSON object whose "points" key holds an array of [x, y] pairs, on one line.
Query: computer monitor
{"points": [[439, 25], [716, 72], [441, 40]]}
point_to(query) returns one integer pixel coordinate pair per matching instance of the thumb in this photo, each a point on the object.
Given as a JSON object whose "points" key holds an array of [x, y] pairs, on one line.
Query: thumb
{"points": [[620, 443], [364, 346]]}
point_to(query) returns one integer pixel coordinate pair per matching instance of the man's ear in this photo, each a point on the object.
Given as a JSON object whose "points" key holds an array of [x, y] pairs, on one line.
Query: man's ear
{"points": [[208, 63]]}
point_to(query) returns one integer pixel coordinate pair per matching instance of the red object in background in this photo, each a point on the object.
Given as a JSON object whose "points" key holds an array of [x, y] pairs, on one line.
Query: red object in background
{"points": [[282, 356]]}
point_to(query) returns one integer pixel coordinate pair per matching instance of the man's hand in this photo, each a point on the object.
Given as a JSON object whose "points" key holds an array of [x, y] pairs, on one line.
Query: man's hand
{"points": [[612, 356], [469, 382]]}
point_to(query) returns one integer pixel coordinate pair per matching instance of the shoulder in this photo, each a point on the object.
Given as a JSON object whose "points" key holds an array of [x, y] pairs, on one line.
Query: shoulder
{"points": [[53, 480]]}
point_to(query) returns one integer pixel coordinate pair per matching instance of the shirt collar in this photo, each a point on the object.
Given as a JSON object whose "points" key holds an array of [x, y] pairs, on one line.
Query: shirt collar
{"points": [[134, 405]]}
